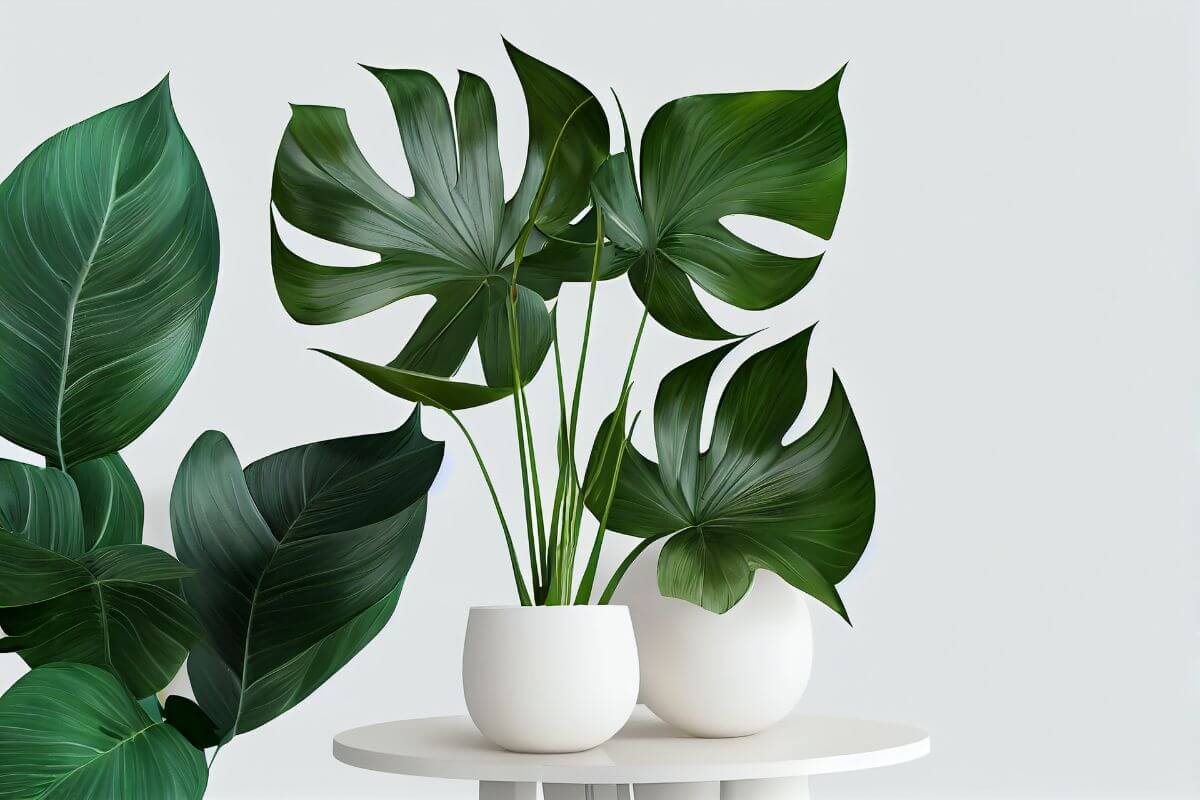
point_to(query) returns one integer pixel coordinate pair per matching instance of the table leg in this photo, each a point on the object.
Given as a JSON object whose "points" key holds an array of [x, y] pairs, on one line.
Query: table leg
{"points": [[699, 790], [507, 790], [766, 789], [585, 791]]}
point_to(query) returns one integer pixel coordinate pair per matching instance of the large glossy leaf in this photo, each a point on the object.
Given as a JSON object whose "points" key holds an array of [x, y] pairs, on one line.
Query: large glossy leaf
{"points": [[299, 561], [802, 510], [454, 237], [41, 506], [71, 731], [774, 154], [118, 608], [110, 500], [108, 259]]}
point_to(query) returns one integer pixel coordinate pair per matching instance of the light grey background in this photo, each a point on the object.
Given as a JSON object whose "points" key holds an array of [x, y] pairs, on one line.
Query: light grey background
{"points": [[1010, 297]]}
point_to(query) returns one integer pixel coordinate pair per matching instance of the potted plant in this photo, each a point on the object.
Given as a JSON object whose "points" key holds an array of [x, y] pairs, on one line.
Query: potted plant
{"points": [[283, 570], [556, 673]]}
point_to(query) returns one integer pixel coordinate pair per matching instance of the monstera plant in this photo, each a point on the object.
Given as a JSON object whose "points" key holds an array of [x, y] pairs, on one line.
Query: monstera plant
{"points": [[495, 268], [286, 569]]}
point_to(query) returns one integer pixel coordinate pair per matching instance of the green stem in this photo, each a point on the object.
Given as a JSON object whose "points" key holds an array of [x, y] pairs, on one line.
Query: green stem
{"points": [[536, 206], [214, 755], [589, 574], [607, 594], [518, 577], [524, 435]]}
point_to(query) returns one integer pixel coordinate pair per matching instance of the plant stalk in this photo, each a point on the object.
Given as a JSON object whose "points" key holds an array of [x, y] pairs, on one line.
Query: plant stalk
{"points": [[518, 577]]}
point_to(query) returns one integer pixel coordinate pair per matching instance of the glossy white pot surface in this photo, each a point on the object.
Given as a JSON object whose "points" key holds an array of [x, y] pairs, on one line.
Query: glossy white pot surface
{"points": [[550, 679], [719, 675]]}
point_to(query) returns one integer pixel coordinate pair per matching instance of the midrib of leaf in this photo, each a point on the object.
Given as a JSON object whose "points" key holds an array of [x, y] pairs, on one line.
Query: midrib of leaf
{"points": [[76, 290], [96, 758]]}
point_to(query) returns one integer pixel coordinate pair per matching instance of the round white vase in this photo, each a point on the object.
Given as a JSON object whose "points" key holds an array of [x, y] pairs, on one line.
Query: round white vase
{"points": [[550, 679], [719, 675]]}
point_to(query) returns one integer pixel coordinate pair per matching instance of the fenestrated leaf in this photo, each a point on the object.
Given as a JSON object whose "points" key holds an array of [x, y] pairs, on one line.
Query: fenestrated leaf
{"points": [[71, 731], [299, 560], [110, 500], [774, 154], [41, 506], [118, 608], [454, 237], [802, 510], [108, 258]]}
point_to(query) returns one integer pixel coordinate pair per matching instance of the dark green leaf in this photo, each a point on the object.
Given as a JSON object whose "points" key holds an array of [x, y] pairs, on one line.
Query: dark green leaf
{"points": [[454, 237], [110, 500], [41, 506], [775, 154], [70, 731], [108, 253], [190, 720], [803, 510], [117, 608], [421, 388], [299, 560]]}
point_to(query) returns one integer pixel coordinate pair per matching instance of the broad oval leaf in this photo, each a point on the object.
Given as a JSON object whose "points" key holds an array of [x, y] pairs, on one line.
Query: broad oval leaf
{"points": [[298, 558], [802, 510], [118, 608], [70, 731], [41, 506], [774, 154], [108, 252], [454, 237], [110, 501]]}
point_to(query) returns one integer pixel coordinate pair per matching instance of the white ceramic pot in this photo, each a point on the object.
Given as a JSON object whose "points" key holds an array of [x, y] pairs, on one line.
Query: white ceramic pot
{"points": [[550, 679], [719, 675]]}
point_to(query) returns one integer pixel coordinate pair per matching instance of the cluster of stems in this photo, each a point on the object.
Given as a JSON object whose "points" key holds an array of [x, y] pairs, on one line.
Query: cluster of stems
{"points": [[553, 547]]}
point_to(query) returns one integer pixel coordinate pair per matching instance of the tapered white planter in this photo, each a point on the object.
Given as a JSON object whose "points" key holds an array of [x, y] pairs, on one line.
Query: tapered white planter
{"points": [[550, 679], [719, 675]]}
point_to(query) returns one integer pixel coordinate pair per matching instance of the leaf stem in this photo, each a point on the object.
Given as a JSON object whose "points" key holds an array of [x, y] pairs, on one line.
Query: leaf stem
{"points": [[521, 416], [536, 205], [518, 577]]}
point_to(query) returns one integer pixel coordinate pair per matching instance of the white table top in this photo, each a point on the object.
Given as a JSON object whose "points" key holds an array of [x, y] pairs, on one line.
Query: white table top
{"points": [[646, 750]]}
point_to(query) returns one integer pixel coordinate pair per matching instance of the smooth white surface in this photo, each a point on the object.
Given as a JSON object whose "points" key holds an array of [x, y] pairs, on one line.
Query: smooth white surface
{"points": [[1011, 297], [646, 750], [716, 675], [549, 679]]}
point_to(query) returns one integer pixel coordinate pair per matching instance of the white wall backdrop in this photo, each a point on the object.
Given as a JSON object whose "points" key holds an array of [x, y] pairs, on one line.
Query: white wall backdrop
{"points": [[1011, 298]]}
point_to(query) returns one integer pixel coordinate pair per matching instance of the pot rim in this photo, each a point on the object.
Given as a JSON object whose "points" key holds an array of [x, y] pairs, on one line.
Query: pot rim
{"points": [[591, 607]]}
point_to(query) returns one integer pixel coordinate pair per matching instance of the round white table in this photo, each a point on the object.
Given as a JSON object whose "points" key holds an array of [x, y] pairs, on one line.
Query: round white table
{"points": [[658, 762]]}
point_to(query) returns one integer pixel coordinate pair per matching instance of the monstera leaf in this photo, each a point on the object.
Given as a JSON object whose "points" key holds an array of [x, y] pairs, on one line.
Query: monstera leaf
{"points": [[776, 154], [803, 510], [108, 259], [71, 731], [453, 238], [299, 560], [118, 608]]}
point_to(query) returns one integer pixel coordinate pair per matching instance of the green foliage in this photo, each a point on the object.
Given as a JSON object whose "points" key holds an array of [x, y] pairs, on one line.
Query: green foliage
{"points": [[298, 561], [454, 238], [118, 608], [70, 731], [802, 510], [108, 254], [108, 248], [110, 500], [775, 154]]}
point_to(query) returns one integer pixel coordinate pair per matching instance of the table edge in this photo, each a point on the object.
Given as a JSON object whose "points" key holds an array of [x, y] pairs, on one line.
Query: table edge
{"points": [[614, 774]]}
